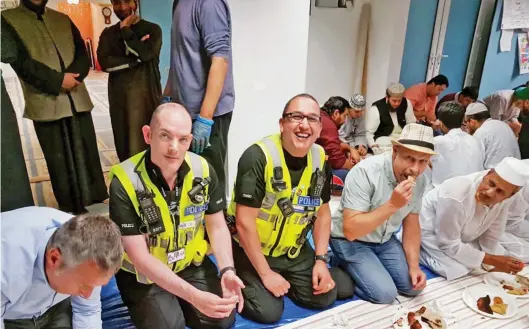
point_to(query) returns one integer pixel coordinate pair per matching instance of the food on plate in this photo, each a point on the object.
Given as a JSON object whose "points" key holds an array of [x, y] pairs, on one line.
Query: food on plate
{"points": [[523, 280], [484, 305], [411, 317], [416, 325], [433, 319], [421, 311], [499, 306], [518, 289], [498, 300]]}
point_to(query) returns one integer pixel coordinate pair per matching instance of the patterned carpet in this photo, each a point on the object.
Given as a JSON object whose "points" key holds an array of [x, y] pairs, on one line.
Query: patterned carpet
{"points": [[96, 84]]}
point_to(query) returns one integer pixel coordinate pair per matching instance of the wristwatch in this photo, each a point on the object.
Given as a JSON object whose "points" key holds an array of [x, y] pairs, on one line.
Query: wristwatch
{"points": [[324, 258]]}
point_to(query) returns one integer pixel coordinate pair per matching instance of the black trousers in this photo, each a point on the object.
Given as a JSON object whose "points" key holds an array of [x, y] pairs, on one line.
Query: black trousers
{"points": [[152, 307], [263, 307], [216, 153], [59, 316]]}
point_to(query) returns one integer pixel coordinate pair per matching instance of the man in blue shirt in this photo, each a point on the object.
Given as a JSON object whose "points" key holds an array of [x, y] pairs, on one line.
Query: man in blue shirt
{"points": [[201, 77], [53, 267]]}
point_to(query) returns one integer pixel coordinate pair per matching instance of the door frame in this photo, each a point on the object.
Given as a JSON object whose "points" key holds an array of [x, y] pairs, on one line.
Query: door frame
{"points": [[438, 39]]}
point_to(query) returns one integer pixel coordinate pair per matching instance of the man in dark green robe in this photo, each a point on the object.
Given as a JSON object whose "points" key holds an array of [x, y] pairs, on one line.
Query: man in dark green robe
{"points": [[129, 51], [51, 73]]}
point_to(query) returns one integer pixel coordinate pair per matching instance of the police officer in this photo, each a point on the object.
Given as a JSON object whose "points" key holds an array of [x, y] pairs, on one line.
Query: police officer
{"points": [[160, 199], [282, 192]]}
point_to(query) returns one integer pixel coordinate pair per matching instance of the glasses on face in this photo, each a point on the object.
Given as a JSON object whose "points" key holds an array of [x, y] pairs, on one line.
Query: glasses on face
{"points": [[297, 117]]}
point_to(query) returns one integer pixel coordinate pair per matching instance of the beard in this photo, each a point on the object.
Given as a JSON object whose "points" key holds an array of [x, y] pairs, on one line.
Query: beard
{"points": [[37, 9]]}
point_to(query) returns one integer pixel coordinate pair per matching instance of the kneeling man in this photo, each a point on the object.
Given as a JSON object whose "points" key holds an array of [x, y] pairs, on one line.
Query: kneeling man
{"points": [[463, 219], [381, 193], [53, 267], [282, 192]]}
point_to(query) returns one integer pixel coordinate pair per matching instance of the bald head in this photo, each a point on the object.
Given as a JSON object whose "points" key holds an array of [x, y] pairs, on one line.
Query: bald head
{"points": [[170, 112]]}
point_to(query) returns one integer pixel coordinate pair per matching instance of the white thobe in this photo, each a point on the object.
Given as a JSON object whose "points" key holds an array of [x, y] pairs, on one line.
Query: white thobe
{"points": [[499, 142], [458, 154], [456, 231], [515, 240], [499, 104]]}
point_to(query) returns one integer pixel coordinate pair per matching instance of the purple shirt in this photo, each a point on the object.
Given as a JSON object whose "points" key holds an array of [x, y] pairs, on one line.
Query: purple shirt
{"points": [[201, 29]]}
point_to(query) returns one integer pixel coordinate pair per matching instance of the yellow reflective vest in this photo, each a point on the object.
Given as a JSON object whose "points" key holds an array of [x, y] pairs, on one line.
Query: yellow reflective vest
{"points": [[278, 235], [190, 245]]}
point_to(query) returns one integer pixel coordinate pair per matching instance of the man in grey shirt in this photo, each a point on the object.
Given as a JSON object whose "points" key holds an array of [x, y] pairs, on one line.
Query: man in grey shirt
{"points": [[353, 131], [381, 193], [201, 77]]}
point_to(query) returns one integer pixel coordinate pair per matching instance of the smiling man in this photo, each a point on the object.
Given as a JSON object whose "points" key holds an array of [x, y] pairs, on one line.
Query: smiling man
{"points": [[161, 198], [382, 193], [462, 220], [282, 192], [53, 267]]}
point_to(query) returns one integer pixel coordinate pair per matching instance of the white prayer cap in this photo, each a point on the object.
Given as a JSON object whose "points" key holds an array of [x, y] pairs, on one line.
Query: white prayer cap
{"points": [[476, 107], [513, 170]]}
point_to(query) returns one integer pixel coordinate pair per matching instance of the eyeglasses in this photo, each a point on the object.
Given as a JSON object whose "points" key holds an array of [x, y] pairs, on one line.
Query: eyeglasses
{"points": [[298, 118]]}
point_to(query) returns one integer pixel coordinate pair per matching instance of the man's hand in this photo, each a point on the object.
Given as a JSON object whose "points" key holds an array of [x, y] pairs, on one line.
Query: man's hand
{"points": [[436, 124], [129, 21], [146, 37], [212, 305], [401, 194], [201, 132], [354, 155], [231, 286], [275, 283], [362, 150], [322, 281], [418, 278], [69, 82], [506, 264]]}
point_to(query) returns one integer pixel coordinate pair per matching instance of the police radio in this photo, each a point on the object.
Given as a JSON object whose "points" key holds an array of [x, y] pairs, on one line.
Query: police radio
{"points": [[150, 212], [196, 194], [316, 183]]}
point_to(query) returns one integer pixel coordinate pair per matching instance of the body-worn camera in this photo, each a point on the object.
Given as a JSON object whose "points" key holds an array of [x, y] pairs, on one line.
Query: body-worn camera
{"points": [[196, 194], [150, 212], [286, 207], [278, 184]]}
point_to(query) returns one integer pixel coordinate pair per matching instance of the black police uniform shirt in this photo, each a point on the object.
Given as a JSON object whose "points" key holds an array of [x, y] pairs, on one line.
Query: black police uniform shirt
{"points": [[124, 214], [250, 186]]}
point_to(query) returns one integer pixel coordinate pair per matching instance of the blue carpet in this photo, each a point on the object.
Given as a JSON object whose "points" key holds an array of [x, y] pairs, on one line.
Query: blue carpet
{"points": [[116, 316]]}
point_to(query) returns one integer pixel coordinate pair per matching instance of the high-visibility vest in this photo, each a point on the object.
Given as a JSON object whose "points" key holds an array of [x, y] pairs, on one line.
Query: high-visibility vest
{"points": [[277, 234], [190, 246]]}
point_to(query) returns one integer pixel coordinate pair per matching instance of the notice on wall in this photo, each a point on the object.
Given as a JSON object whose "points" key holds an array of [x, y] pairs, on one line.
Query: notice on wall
{"points": [[523, 51], [506, 40], [515, 14]]}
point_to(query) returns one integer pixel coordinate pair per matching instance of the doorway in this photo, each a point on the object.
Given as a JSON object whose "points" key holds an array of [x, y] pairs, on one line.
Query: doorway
{"points": [[439, 39]]}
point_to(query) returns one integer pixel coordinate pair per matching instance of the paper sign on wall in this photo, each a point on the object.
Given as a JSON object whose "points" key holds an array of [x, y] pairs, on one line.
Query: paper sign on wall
{"points": [[523, 52], [515, 14]]}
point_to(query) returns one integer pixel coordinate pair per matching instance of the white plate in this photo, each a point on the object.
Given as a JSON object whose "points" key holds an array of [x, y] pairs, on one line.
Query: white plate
{"points": [[472, 294], [403, 313], [495, 279]]}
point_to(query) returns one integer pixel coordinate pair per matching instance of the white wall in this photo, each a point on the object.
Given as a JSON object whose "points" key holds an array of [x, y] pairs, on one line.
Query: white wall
{"points": [[270, 59], [334, 41], [333, 36], [387, 33]]}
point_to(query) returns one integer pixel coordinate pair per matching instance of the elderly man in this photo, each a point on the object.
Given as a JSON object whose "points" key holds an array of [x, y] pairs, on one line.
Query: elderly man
{"points": [[380, 194], [506, 105], [201, 75], [282, 192], [341, 155], [160, 199], [57, 101], [495, 135], [463, 98], [458, 153], [53, 267], [463, 219], [130, 52], [423, 96], [515, 239], [386, 118], [353, 131]]}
